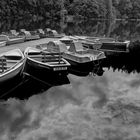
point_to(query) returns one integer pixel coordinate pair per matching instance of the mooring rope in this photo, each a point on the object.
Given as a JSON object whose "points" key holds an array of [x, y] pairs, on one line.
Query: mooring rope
{"points": [[6, 93], [37, 79], [26, 74]]}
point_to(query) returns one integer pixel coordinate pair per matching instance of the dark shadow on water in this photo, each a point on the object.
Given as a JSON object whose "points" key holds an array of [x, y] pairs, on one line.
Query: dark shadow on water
{"points": [[28, 86], [125, 62]]}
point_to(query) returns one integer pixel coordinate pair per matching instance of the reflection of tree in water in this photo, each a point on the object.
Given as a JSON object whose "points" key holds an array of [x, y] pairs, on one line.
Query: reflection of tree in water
{"points": [[118, 29], [126, 30], [78, 27], [28, 24], [128, 62], [90, 28]]}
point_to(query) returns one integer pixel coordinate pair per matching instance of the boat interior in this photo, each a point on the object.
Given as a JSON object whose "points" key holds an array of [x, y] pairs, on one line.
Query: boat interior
{"points": [[3, 38], [7, 62], [47, 57]]}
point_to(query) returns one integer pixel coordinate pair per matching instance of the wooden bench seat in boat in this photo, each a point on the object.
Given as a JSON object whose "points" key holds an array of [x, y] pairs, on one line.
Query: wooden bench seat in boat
{"points": [[3, 64], [48, 57]]}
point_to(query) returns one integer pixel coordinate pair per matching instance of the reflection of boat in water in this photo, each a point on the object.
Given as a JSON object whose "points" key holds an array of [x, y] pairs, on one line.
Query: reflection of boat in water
{"points": [[43, 63], [29, 86], [11, 67], [82, 61]]}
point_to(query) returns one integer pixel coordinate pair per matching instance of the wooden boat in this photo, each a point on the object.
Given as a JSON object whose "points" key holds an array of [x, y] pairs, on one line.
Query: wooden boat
{"points": [[82, 61], [11, 39], [11, 65], [29, 35], [41, 63]]}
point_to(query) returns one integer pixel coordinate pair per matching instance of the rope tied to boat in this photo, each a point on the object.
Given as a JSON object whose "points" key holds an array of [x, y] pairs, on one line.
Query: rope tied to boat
{"points": [[37, 79]]}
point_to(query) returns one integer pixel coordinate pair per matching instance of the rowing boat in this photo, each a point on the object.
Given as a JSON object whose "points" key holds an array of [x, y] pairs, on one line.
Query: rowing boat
{"points": [[82, 61], [11, 64], [42, 63]]}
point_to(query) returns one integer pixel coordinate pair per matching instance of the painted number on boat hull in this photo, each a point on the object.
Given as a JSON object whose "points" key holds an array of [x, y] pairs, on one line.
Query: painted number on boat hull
{"points": [[59, 68]]}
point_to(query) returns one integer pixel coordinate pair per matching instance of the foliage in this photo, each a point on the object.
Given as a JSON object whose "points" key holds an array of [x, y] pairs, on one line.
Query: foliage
{"points": [[80, 8]]}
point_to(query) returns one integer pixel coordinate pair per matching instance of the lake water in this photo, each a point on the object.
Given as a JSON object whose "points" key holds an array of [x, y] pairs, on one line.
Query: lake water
{"points": [[103, 107]]}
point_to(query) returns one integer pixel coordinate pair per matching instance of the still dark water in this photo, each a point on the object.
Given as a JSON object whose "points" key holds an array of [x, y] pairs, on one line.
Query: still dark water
{"points": [[103, 107]]}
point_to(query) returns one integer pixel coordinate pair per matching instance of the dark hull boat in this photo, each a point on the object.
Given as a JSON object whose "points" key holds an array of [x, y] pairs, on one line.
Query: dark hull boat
{"points": [[11, 68], [45, 65], [79, 69], [115, 48]]}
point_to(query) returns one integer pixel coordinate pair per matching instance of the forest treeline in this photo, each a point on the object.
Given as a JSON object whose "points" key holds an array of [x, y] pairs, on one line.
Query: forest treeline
{"points": [[52, 9]]}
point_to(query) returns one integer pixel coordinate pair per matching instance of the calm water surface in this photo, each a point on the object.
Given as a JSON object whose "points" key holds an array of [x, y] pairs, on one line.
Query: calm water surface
{"points": [[81, 108]]}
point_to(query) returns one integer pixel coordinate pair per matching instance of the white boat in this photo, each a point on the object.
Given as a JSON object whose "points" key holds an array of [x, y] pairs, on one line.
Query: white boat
{"points": [[11, 39], [53, 33], [11, 65], [81, 60], [14, 32], [29, 35], [2, 43]]}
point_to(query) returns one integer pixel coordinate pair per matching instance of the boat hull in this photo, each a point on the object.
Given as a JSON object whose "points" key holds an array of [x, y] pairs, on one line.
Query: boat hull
{"points": [[80, 69], [32, 37], [54, 36], [9, 81], [11, 74], [2, 44], [15, 41], [44, 72], [91, 45]]}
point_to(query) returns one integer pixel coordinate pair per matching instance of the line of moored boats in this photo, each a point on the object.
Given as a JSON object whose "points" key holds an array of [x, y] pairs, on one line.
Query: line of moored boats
{"points": [[69, 54], [13, 37]]}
